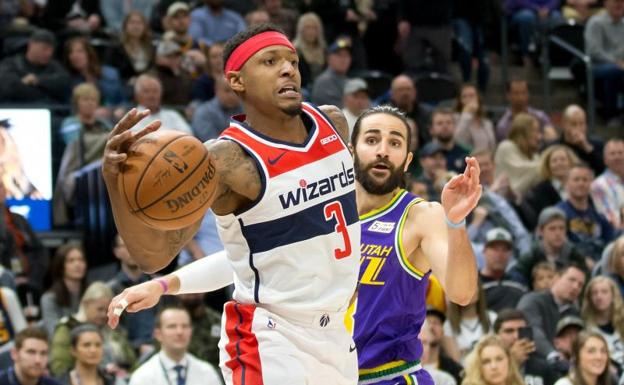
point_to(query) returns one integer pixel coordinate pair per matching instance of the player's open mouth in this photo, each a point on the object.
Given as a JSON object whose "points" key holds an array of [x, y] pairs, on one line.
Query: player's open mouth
{"points": [[381, 167], [289, 91]]}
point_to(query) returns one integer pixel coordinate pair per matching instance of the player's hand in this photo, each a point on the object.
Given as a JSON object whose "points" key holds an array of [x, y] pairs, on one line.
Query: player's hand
{"points": [[461, 194], [134, 299], [120, 139]]}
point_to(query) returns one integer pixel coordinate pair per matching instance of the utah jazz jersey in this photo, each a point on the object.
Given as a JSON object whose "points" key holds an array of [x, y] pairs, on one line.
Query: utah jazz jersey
{"points": [[390, 307], [297, 246]]}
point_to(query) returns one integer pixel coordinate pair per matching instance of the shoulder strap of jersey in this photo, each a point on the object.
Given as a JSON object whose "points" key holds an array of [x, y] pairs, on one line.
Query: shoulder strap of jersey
{"points": [[320, 116]]}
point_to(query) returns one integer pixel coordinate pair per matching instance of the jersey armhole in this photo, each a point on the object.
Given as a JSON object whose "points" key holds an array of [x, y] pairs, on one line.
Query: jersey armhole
{"points": [[401, 254], [330, 123]]}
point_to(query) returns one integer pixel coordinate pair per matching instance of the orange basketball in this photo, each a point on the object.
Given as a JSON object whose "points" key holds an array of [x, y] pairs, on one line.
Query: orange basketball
{"points": [[169, 179]]}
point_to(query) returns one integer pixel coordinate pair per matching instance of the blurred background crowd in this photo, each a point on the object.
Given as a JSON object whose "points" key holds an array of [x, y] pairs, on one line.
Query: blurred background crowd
{"points": [[534, 89]]}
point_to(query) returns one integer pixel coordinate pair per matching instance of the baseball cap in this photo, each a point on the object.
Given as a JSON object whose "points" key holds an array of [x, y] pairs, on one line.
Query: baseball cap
{"points": [[430, 149], [43, 36], [342, 42], [550, 214], [167, 47], [355, 85], [177, 7], [498, 234], [432, 310], [568, 321]]}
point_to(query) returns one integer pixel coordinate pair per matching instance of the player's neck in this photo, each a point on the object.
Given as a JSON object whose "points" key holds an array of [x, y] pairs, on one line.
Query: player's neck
{"points": [[367, 202], [278, 126]]}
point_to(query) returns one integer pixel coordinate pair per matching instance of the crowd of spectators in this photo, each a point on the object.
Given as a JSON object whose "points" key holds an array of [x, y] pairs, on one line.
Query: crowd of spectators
{"points": [[547, 231]]}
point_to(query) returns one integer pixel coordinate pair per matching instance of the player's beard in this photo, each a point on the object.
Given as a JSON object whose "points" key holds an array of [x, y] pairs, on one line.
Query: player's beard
{"points": [[392, 182]]}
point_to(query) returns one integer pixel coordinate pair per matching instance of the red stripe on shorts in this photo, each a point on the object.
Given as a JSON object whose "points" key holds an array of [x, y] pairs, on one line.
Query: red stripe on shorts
{"points": [[242, 346]]}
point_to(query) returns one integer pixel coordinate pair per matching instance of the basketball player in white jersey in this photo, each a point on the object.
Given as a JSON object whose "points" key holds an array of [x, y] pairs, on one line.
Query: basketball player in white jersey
{"points": [[286, 215]]}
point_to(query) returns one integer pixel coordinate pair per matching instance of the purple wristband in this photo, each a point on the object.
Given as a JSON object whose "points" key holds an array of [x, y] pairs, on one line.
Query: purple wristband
{"points": [[163, 283]]}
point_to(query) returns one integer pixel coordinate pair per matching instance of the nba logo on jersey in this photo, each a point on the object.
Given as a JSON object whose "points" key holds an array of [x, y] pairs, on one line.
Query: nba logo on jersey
{"points": [[324, 320], [382, 227]]}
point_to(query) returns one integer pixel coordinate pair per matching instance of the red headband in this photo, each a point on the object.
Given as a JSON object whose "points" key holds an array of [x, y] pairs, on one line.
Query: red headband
{"points": [[243, 52]]}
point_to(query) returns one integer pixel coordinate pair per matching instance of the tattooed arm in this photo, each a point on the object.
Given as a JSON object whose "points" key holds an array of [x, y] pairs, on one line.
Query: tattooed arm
{"points": [[154, 249], [339, 120]]}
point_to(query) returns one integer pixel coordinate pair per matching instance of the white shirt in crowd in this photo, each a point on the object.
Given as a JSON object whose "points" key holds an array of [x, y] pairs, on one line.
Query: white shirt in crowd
{"points": [[170, 119], [470, 331], [195, 372]]}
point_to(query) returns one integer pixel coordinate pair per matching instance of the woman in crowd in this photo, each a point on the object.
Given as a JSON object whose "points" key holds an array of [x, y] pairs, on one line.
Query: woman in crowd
{"points": [[87, 348], [69, 272], [518, 155], [204, 85], [473, 129], [310, 44], [135, 54], [85, 137], [84, 65], [615, 264], [490, 363], [591, 356], [603, 312], [467, 324], [555, 163], [118, 353]]}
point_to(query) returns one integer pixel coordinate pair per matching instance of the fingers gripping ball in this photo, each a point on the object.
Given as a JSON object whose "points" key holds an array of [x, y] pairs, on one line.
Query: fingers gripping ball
{"points": [[169, 179]]}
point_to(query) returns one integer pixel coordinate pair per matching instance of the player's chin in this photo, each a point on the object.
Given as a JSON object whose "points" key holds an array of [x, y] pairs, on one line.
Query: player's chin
{"points": [[292, 108]]}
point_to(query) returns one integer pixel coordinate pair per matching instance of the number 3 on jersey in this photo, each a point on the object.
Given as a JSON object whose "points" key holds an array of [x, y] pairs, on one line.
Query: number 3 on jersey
{"points": [[333, 210]]}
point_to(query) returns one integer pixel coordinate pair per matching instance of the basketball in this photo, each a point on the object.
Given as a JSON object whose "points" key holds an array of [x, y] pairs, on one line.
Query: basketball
{"points": [[169, 179]]}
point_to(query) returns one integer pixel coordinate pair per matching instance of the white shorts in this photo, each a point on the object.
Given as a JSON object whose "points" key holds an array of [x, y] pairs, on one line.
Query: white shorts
{"points": [[260, 347]]}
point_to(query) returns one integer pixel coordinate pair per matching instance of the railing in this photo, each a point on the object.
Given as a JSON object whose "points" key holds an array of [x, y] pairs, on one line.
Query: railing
{"points": [[587, 61]]}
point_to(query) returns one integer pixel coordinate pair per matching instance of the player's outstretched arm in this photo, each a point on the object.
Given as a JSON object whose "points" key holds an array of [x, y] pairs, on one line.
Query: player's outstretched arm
{"points": [[445, 242], [204, 275], [151, 248]]}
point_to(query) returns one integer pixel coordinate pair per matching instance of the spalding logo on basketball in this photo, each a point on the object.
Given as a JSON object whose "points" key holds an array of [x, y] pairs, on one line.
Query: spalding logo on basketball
{"points": [[169, 179]]}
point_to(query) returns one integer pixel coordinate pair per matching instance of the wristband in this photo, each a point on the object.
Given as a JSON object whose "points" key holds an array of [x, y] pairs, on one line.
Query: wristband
{"points": [[453, 225], [163, 283]]}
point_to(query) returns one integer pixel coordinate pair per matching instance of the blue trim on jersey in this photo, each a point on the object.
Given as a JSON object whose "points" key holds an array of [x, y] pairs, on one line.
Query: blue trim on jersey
{"points": [[305, 224], [253, 268], [304, 115]]}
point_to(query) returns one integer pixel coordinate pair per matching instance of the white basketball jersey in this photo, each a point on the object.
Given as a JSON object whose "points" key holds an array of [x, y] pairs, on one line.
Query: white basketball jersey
{"points": [[297, 246]]}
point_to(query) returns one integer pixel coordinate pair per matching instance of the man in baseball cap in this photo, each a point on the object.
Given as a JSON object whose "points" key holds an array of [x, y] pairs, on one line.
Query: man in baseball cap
{"points": [[501, 291], [355, 99], [34, 77]]}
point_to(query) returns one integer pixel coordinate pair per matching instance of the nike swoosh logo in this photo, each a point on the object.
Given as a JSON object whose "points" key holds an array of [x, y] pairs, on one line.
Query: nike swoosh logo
{"points": [[276, 159], [351, 349]]}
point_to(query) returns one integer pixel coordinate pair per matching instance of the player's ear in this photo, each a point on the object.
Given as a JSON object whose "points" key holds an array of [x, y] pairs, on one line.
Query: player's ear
{"points": [[351, 149], [235, 81], [410, 157]]}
